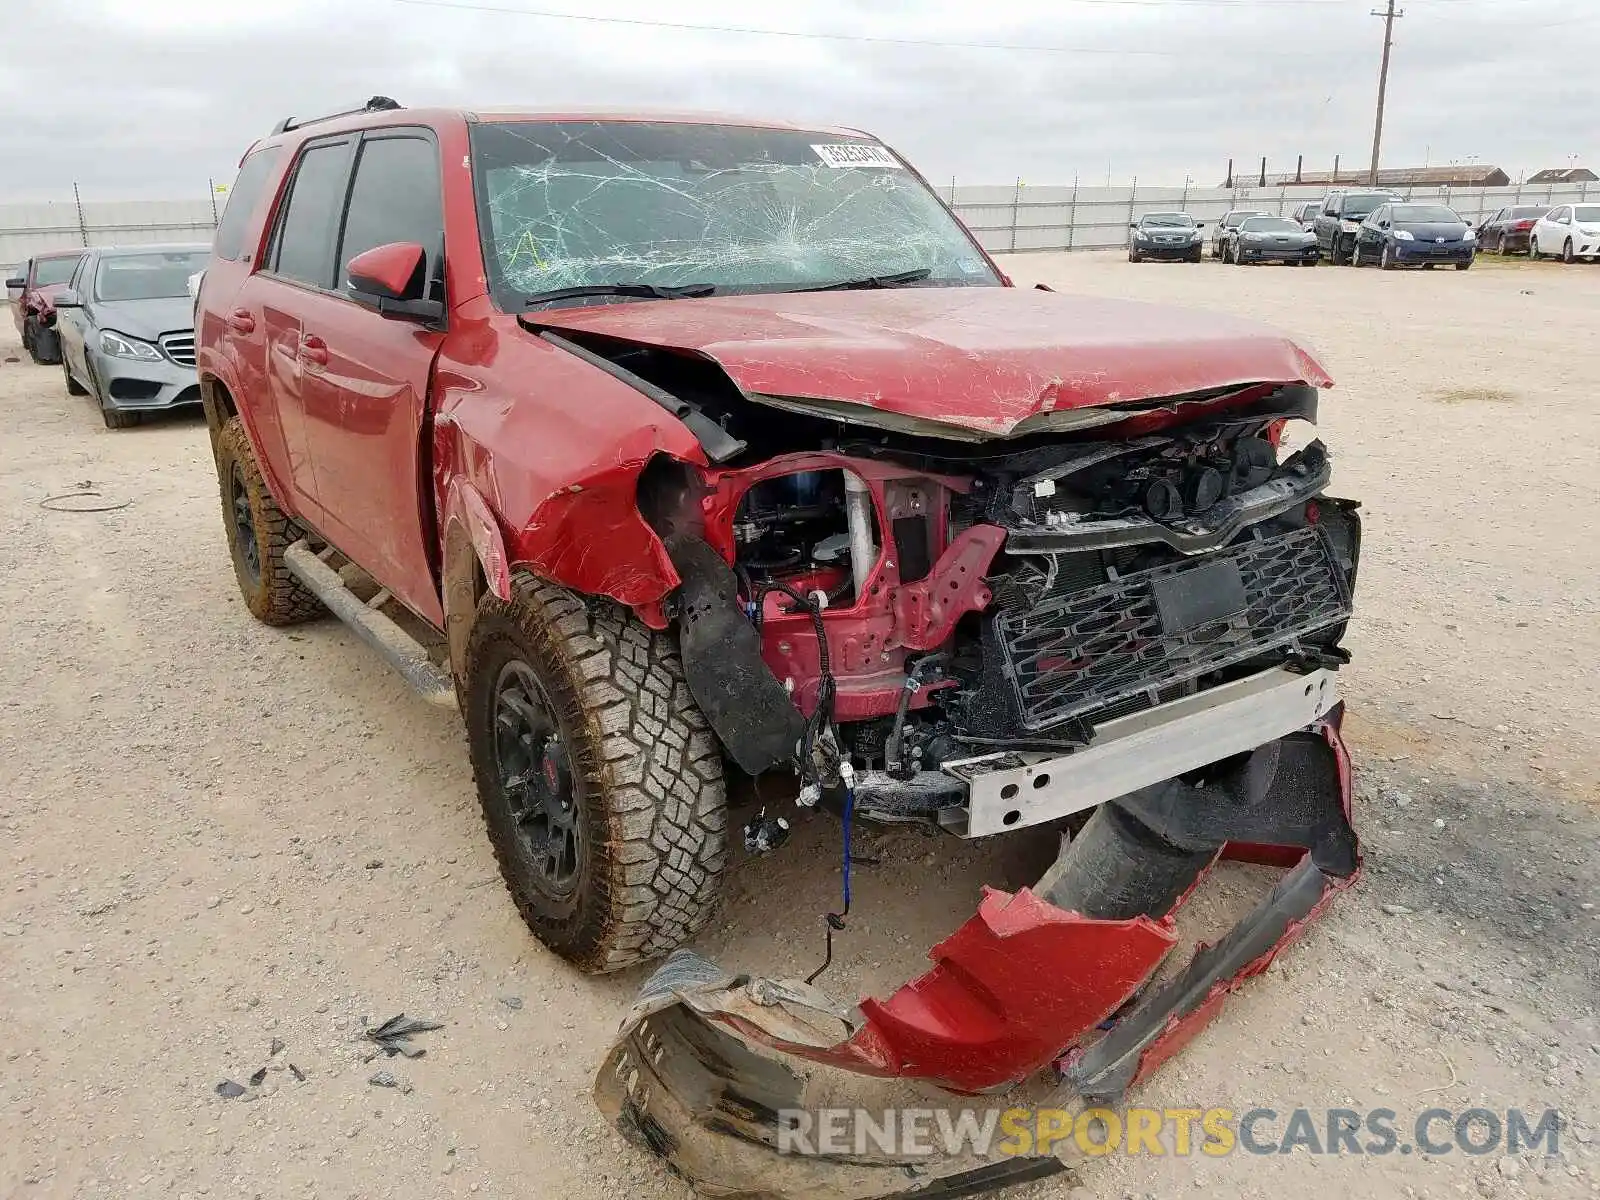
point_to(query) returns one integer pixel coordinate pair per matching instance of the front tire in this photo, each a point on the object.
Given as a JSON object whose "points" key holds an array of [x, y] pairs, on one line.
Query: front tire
{"points": [[600, 781], [1566, 252], [1386, 259], [115, 418], [1355, 256], [44, 347], [258, 534]]}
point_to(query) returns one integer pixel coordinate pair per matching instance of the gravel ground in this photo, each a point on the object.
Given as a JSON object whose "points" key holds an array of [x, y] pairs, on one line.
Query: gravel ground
{"points": [[221, 837]]}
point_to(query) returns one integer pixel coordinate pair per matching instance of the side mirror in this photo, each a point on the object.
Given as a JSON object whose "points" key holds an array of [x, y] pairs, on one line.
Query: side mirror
{"points": [[392, 278], [68, 299], [1199, 224], [1133, 224], [17, 281]]}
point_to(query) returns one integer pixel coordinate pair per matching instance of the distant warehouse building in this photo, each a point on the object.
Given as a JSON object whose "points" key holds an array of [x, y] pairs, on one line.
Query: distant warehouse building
{"points": [[1564, 175], [1468, 175]]}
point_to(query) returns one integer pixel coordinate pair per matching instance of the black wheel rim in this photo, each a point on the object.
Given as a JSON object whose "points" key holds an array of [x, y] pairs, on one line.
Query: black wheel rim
{"points": [[244, 526], [536, 780]]}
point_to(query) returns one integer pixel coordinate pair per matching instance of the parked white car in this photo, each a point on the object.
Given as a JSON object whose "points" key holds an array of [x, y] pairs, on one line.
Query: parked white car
{"points": [[1569, 231]]}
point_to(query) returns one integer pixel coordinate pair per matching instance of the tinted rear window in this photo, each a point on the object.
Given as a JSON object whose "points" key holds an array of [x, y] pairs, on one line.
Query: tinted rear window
{"points": [[243, 200], [304, 250]]}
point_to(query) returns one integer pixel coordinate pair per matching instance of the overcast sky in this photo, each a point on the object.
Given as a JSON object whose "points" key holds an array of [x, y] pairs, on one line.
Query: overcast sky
{"points": [[149, 98]]}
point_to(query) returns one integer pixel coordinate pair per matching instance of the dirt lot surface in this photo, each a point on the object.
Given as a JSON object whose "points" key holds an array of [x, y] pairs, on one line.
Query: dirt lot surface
{"points": [[219, 836]]}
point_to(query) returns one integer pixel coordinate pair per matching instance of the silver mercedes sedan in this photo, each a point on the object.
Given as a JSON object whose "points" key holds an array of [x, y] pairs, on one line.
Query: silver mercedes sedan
{"points": [[126, 323]]}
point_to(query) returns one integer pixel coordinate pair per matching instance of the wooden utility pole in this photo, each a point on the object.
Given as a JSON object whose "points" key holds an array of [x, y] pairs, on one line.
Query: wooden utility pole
{"points": [[1388, 16]]}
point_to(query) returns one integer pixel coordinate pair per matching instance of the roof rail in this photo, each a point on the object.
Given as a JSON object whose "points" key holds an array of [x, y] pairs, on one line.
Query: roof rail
{"points": [[376, 104]]}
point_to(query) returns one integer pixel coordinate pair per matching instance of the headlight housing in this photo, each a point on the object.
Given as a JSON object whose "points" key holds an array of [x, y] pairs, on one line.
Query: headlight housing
{"points": [[1404, 235], [122, 346], [1469, 236]]}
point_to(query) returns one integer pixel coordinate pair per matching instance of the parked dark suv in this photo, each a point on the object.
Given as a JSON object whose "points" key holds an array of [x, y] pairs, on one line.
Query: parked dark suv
{"points": [[693, 450]]}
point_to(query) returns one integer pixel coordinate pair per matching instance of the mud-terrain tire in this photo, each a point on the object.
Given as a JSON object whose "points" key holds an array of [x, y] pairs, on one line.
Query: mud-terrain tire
{"points": [[600, 781], [1117, 869], [74, 388], [258, 533]]}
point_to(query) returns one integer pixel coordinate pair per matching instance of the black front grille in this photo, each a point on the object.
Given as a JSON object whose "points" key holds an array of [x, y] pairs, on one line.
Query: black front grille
{"points": [[1075, 651]]}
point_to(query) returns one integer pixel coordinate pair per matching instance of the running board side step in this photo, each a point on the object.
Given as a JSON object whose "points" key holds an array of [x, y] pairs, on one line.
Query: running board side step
{"points": [[402, 651]]}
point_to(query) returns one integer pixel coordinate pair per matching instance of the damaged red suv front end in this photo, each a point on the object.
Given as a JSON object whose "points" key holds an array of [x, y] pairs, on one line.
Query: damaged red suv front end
{"points": [[951, 553]]}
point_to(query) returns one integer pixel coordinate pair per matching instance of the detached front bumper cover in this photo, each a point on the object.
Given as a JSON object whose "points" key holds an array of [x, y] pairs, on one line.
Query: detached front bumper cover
{"points": [[708, 1062]]}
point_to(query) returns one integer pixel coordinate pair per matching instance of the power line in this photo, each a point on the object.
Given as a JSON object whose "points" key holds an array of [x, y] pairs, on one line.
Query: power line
{"points": [[653, 23]]}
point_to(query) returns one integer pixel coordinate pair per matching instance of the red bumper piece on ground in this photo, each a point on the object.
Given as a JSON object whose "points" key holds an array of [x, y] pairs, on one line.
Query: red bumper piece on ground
{"points": [[1008, 989]]}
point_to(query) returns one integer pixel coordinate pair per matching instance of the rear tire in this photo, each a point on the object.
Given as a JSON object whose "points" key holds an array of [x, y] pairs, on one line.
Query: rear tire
{"points": [[258, 534], [600, 781], [74, 388]]}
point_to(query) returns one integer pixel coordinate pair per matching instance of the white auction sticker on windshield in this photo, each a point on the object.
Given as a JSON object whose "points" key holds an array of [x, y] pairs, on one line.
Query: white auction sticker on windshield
{"points": [[857, 154]]}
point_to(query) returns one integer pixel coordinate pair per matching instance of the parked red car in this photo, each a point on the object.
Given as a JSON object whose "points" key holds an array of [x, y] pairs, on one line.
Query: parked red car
{"points": [[40, 280], [711, 451]]}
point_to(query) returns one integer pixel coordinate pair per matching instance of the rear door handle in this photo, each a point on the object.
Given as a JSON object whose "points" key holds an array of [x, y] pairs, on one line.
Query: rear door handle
{"points": [[240, 321], [313, 349]]}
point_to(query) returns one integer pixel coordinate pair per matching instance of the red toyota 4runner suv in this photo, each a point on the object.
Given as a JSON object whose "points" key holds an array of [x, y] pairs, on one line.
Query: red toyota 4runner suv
{"points": [[677, 451]]}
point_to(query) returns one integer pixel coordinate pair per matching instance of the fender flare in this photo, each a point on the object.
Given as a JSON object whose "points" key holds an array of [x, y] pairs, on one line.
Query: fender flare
{"points": [[470, 538]]}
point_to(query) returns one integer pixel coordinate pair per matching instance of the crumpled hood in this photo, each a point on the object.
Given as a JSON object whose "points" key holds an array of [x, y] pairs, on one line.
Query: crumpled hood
{"points": [[42, 297], [988, 360], [146, 319]]}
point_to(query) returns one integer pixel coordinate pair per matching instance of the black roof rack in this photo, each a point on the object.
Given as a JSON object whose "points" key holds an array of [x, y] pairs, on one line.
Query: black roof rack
{"points": [[376, 104]]}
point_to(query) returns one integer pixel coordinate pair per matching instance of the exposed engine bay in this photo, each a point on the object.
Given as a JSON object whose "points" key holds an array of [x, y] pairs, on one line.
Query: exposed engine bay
{"points": [[949, 624]]}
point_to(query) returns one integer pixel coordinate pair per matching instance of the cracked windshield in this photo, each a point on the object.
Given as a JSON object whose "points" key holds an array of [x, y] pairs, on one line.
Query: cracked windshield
{"points": [[731, 208]]}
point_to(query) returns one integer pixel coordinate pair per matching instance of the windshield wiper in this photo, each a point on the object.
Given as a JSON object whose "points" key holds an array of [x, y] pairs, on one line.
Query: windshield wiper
{"points": [[644, 291], [898, 279]]}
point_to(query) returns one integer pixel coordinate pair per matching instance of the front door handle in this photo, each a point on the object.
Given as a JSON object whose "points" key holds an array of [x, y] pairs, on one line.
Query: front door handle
{"points": [[314, 350], [240, 321]]}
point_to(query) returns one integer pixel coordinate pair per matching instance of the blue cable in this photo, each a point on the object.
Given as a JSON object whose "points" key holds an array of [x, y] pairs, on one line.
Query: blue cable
{"points": [[849, 808]]}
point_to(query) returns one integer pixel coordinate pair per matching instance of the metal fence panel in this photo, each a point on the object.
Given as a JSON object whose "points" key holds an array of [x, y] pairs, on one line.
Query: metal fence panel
{"points": [[1004, 217]]}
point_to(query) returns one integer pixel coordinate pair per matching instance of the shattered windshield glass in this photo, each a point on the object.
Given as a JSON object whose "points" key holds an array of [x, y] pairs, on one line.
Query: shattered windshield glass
{"points": [[585, 203]]}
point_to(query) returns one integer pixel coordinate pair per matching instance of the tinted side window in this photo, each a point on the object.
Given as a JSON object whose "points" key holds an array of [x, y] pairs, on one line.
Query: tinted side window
{"points": [[303, 248], [395, 198], [243, 200]]}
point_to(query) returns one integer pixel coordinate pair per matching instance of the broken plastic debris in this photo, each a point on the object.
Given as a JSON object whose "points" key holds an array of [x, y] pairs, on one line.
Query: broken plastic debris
{"points": [[258, 1078], [299, 1075], [229, 1090], [394, 1035]]}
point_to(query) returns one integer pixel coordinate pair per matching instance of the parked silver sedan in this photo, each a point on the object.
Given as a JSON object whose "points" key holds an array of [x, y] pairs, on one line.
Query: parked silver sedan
{"points": [[126, 323]]}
